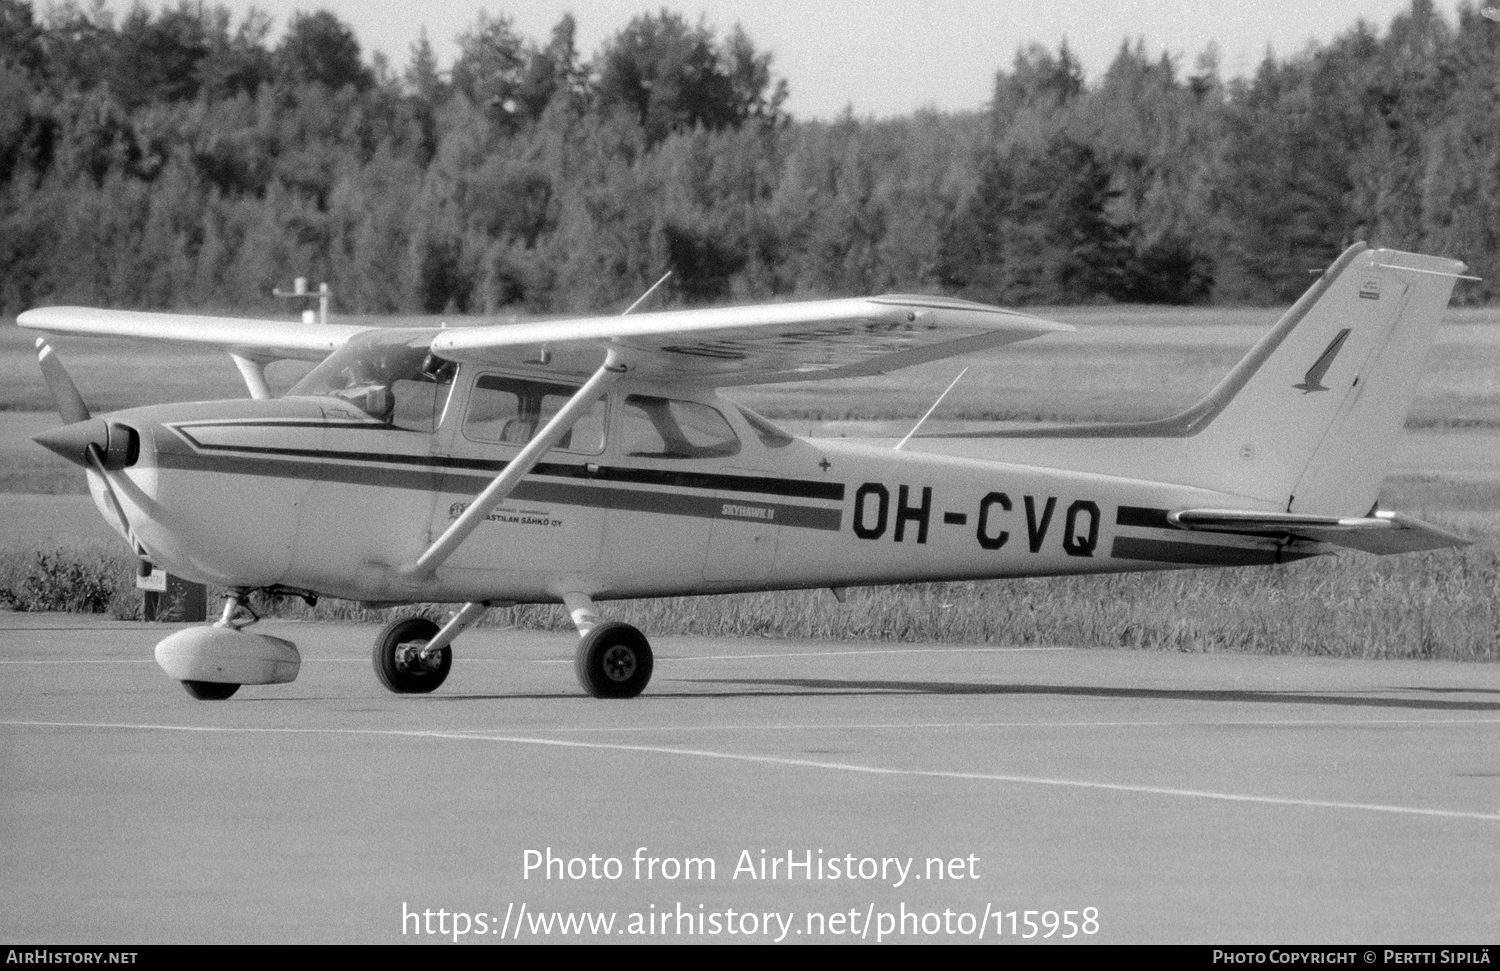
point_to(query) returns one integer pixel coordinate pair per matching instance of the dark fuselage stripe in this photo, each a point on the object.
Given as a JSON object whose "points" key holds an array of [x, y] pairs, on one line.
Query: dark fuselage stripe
{"points": [[1197, 554], [762, 485], [532, 489], [1143, 516]]}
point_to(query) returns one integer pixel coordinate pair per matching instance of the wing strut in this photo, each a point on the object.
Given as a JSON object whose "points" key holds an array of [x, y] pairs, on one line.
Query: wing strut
{"points": [[254, 373], [505, 483]]}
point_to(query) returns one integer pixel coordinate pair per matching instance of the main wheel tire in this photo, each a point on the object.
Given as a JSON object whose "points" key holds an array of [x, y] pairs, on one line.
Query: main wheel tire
{"points": [[210, 690], [614, 661], [396, 662]]}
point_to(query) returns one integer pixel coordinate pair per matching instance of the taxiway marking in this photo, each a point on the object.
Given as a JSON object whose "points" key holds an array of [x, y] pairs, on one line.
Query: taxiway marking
{"points": [[102, 660], [855, 653], [796, 763]]}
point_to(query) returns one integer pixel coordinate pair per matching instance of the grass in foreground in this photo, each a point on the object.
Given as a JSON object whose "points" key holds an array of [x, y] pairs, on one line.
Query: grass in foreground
{"points": [[82, 580], [1431, 605]]}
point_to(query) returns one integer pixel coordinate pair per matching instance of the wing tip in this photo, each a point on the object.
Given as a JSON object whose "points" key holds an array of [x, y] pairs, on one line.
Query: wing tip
{"points": [[1039, 325]]}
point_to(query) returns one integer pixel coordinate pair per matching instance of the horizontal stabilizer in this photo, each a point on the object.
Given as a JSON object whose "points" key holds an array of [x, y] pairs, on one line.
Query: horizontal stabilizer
{"points": [[1380, 533]]}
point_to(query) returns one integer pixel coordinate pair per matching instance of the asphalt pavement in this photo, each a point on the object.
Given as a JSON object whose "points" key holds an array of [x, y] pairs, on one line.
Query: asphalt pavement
{"points": [[760, 790]]}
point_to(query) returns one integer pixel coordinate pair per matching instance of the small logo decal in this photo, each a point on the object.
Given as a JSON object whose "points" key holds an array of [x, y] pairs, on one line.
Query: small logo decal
{"points": [[1313, 380], [1370, 288]]}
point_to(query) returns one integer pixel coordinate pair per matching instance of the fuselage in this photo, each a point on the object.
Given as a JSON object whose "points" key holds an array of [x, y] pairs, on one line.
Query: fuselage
{"points": [[658, 491]]}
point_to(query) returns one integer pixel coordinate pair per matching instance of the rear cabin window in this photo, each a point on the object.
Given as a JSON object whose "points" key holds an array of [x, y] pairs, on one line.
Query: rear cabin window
{"points": [[510, 411], [667, 428]]}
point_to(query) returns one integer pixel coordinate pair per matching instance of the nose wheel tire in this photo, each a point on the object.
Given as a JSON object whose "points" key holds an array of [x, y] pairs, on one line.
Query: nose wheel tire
{"points": [[398, 657], [614, 661], [210, 690]]}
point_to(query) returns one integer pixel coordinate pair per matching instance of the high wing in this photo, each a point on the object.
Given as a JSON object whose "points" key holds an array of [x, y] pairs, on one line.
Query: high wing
{"points": [[1380, 533], [762, 344], [756, 345], [265, 340]]}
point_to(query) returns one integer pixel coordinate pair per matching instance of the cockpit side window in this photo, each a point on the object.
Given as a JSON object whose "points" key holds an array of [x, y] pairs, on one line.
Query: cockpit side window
{"points": [[510, 411], [672, 429]]}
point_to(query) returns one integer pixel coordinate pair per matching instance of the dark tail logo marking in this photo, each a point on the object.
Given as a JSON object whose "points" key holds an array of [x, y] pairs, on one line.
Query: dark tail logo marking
{"points": [[1313, 379]]}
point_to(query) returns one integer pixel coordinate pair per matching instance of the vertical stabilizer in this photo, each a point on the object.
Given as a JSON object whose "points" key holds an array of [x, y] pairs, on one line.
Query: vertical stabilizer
{"points": [[1304, 423], [1307, 419], [1401, 298]]}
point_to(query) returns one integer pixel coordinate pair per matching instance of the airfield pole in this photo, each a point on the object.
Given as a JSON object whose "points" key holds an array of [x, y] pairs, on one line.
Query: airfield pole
{"points": [[166, 598], [299, 291]]}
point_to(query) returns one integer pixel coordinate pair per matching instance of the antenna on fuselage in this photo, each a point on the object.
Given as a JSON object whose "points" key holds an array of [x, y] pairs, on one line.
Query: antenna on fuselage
{"points": [[642, 298], [932, 409]]}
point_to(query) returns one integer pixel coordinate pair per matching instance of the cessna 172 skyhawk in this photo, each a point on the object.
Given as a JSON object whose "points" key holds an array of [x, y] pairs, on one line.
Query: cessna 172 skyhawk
{"points": [[587, 460]]}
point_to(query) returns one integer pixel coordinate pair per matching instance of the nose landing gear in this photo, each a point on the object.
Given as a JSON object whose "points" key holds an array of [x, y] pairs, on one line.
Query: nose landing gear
{"points": [[212, 662], [210, 690]]}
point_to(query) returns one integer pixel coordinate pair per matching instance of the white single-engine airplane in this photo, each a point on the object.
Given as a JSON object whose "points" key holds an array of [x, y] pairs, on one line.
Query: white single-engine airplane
{"points": [[586, 460]]}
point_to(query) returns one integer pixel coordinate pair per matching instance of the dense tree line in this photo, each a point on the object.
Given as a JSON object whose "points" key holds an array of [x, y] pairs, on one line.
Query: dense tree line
{"points": [[176, 158]]}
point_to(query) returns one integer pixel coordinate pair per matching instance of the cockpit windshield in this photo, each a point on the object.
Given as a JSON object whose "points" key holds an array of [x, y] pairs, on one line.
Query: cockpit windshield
{"points": [[391, 375]]}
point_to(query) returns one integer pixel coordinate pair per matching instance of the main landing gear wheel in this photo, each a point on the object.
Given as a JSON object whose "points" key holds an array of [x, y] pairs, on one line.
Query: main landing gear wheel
{"points": [[398, 657], [614, 661], [210, 690]]}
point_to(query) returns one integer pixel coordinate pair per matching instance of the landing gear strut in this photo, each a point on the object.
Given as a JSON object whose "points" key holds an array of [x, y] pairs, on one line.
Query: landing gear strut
{"points": [[412, 655], [614, 661], [399, 660]]}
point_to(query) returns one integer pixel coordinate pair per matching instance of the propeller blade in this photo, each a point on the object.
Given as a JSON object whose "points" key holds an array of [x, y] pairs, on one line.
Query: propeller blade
{"points": [[96, 464], [64, 392]]}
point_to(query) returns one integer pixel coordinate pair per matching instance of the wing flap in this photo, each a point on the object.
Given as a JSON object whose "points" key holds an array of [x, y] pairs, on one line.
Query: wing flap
{"points": [[256, 339], [1381, 533], [761, 344]]}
